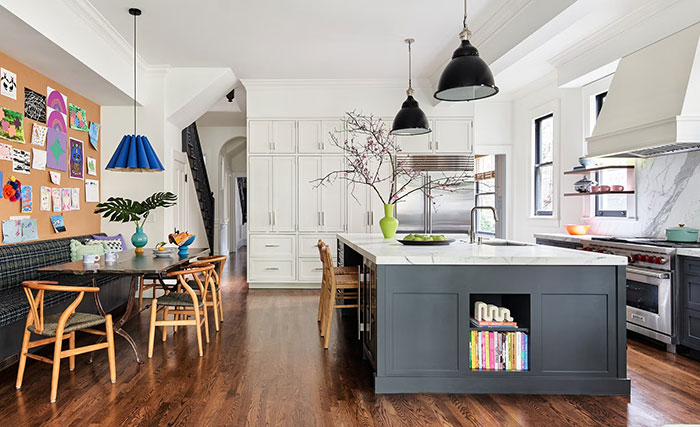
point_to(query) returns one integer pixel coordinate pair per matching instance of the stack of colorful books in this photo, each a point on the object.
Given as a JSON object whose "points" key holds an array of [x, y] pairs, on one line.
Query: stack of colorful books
{"points": [[492, 324], [498, 351]]}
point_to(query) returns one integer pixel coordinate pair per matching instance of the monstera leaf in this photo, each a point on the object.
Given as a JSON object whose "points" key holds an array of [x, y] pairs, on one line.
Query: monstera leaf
{"points": [[118, 209]]}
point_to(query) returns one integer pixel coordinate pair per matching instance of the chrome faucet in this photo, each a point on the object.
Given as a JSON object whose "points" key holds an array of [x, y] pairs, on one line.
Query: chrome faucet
{"points": [[472, 230]]}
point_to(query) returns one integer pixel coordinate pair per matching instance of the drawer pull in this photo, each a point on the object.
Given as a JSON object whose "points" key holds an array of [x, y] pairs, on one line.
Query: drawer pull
{"points": [[271, 268], [318, 269], [272, 246]]}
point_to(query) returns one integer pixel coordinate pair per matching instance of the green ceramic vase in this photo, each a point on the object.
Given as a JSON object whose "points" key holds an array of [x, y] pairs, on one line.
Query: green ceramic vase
{"points": [[139, 240], [389, 224]]}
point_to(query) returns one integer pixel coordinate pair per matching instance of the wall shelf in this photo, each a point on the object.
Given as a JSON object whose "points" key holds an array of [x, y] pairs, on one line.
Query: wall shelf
{"points": [[599, 168], [599, 193]]}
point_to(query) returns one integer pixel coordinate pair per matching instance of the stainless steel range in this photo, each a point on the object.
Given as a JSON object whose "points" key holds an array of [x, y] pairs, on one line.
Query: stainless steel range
{"points": [[651, 283]]}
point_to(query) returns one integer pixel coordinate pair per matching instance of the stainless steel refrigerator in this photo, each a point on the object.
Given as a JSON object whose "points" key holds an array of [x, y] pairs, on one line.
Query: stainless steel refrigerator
{"points": [[444, 211]]}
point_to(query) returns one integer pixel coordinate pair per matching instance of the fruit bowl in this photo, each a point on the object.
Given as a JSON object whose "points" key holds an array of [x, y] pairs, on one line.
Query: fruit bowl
{"points": [[421, 240], [576, 229]]}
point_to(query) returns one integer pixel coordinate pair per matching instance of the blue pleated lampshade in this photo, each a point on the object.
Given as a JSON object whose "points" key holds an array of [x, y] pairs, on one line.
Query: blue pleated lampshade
{"points": [[135, 154]]}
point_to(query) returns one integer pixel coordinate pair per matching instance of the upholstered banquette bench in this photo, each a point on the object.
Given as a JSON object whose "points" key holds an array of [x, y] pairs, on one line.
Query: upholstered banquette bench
{"points": [[19, 262]]}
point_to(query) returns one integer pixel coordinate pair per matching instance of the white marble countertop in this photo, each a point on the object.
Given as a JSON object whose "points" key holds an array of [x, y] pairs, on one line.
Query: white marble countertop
{"points": [[565, 237], [388, 251], [693, 252]]}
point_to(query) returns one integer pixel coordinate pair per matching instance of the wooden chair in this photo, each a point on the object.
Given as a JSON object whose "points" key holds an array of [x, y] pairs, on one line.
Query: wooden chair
{"points": [[339, 284], [57, 327], [218, 261], [143, 286], [184, 305]]}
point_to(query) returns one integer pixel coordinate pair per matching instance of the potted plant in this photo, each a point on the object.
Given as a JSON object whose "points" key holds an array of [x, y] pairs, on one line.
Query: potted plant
{"points": [[118, 209], [369, 147]]}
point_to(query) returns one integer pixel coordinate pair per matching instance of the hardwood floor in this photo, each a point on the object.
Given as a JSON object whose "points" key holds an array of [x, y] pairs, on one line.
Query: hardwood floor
{"points": [[267, 367]]}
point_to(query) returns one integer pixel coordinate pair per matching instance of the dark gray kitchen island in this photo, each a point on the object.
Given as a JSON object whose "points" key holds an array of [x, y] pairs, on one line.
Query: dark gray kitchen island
{"points": [[416, 304]]}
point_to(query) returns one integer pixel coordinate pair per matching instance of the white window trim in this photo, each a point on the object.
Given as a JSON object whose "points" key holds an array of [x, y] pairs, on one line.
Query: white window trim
{"points": [[550, 107]]}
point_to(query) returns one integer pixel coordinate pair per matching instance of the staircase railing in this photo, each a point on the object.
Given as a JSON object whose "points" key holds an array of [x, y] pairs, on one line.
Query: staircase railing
{"points": [[193, 148]]}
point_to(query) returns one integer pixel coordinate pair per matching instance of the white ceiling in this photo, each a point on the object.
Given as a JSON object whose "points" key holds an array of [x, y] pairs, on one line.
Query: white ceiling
{"points": [[300, 39]]}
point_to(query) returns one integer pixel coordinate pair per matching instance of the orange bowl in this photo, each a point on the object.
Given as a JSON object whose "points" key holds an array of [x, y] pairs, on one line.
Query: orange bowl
{"points": [[577, 230]]}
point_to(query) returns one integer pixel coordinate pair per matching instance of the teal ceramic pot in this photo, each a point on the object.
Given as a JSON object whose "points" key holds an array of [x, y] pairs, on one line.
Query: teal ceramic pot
{"points": [[139, 240], [185, 247], [682, 234], [389, 224]]}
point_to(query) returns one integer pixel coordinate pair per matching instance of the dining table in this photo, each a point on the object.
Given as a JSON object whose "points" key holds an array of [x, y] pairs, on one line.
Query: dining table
{"points": [[133, 265]]}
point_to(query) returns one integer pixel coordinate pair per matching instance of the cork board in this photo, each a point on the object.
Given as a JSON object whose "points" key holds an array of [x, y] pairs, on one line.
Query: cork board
{"points": [[78, 222]]}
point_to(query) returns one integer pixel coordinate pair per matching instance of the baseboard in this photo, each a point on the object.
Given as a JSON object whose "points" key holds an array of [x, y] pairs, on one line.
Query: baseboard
{"points": [[284, 286], [9, 361]]}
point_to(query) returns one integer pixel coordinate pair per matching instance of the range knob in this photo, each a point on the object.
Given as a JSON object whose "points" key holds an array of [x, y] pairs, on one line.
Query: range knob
{"points": [[636, 257], [658, 260]]}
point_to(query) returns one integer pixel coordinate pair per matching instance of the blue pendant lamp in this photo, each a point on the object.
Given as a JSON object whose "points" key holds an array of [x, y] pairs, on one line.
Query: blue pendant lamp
{"points": [[135, 153]]}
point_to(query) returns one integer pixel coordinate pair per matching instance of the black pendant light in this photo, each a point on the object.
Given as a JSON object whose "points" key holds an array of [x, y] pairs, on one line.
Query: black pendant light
{"points": [[410, 120], [134, 152], [466, 77]]}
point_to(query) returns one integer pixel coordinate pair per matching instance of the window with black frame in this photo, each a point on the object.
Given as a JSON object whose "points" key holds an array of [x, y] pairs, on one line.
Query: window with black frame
{"points": [[485, 191], [544, 165], [610, 205]]}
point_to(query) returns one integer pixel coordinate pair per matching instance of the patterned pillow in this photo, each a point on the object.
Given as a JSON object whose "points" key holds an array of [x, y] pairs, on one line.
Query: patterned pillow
{"points": [[117, 237], [77, 250], [109, 245]]}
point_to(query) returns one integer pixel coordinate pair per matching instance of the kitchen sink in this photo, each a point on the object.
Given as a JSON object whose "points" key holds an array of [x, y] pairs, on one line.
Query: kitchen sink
{"points": [[503, 243]]}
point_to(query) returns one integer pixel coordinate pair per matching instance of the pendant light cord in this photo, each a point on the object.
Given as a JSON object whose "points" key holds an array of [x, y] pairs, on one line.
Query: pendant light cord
{"points": [[410, 86], [465, 33], [134, 74]]}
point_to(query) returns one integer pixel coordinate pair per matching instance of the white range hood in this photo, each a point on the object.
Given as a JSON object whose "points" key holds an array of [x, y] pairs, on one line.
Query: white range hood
{"points": [[653, 104]]}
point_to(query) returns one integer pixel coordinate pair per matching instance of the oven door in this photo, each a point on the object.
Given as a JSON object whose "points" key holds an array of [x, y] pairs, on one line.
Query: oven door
{"points": [[649, 299]]}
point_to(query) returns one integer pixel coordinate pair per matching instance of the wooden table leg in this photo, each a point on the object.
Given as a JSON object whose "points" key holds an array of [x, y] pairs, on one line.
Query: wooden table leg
{"points": [[127, 314]]}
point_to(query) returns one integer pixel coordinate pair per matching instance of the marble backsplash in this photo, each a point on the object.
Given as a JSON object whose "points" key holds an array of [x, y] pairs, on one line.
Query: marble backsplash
{"points": [[668, 194]]}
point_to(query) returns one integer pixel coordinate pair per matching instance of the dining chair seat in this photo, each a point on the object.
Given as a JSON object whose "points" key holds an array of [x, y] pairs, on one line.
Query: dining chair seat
{"points": [[76, 322], [178, 299]]}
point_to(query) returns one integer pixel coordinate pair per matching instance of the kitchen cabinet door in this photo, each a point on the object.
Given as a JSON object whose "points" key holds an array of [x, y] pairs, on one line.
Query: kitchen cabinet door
{"points": [[333, 196], [337, 128], [310, 136], [260, 194], [284, 136], [415, 144], [284, 194], [452, 136], [309, 193], [359, 206], [260, 136]]}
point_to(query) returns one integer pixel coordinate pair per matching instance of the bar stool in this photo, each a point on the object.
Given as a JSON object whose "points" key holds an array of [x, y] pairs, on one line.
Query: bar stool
{"points": [[339, 284], [184, 305], [57, 327]]}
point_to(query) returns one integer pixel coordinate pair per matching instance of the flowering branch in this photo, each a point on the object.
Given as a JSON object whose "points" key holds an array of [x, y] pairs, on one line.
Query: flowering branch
{"points": [[369, 150]]}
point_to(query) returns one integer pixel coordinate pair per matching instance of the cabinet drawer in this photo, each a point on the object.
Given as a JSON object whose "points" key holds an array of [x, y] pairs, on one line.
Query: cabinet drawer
{"points": [[310, 270], [308, 248], [271, 270], [691, 266], [691, 292], [690, 329], [271, 246]]}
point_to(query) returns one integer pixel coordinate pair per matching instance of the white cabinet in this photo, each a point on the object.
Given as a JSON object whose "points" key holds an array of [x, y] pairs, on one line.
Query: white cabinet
{"points": [[452, 136], [272, 258], [314, 136], [272, 193], [321, 207], [365, 207], [272, 136], [449, 136]]}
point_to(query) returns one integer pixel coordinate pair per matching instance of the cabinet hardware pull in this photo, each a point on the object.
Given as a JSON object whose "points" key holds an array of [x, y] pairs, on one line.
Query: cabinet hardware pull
{"points": [[430, 145], [272, 246], [318, 269], [273, 218], [271, 268], [371, 221], [269, 217], [437, 145], [323, 218]]}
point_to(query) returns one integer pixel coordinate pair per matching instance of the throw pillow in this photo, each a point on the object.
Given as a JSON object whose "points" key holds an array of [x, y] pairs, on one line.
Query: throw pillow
{"points": [[117, 237], [77, 250], [109, 245]]}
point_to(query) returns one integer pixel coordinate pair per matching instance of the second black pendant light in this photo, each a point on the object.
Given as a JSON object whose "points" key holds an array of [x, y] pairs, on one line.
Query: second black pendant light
{"points": [[410, 120], [466, 77]]}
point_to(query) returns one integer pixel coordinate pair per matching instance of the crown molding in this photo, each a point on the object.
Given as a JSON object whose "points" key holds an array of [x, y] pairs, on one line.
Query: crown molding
{"points": [[610, 31], [94, 19], [271, 84]]}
